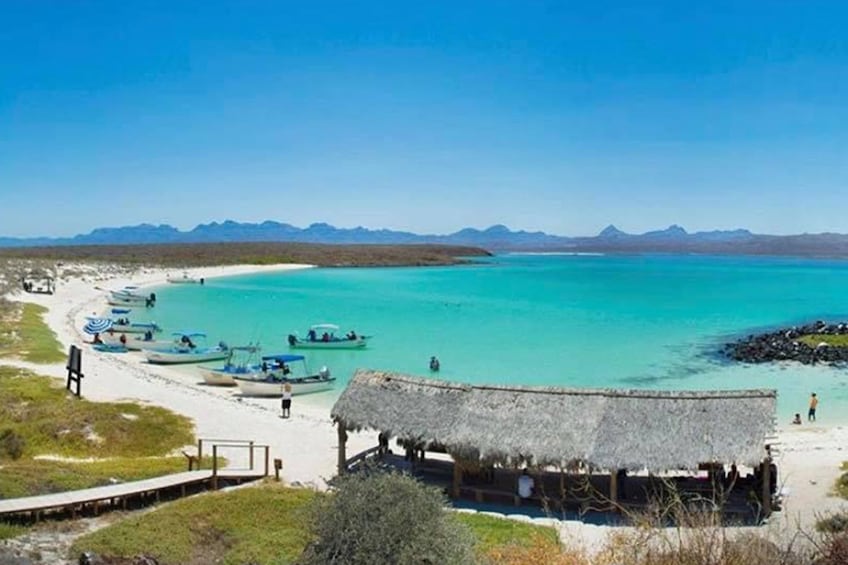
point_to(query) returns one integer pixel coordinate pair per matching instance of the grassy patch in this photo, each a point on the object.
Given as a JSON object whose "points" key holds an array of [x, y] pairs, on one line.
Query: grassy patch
{"points": [[265, 524], [37, 417], [28, 477], [24, 334], [52, 422], [10, 530], [832, 340], [841, 486], [491, 532]]}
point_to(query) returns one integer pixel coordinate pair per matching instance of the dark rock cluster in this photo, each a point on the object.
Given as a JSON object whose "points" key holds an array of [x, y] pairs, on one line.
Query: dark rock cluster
{"points": [[783, 345]]}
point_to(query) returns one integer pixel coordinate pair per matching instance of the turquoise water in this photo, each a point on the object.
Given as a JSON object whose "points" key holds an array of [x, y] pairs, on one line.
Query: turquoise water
{"points": [[585, 321]]}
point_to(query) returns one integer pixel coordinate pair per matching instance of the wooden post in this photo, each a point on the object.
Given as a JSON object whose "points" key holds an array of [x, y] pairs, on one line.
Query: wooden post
{"points": [[342, 445], [267, 458], [199, 452], [251, 456], [767, 487], [457, 478], [613, 494], [214, 467]]}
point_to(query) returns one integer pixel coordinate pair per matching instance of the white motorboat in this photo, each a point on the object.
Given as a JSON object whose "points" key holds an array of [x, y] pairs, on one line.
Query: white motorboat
{"points": [[281, 370], [185, 279], [184, 350], [134, 342], [240, 362], [326, 336], [131, 296], [122, 324]]}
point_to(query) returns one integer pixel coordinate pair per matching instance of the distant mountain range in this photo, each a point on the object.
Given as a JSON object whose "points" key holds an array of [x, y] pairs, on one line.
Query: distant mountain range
{"points": [[673, 239]]}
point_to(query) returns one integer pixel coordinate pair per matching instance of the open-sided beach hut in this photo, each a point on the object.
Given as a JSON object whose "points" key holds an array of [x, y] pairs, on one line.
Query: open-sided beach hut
{"points": [[604, 428]]}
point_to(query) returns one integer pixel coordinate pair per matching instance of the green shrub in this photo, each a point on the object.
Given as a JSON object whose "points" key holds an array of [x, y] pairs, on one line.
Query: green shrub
{"points": [[11, 445], [834, 523], [386, 518]]}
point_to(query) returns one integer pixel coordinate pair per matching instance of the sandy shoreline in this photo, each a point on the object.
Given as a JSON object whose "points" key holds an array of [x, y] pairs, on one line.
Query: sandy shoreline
{"points": [[808, 456]]}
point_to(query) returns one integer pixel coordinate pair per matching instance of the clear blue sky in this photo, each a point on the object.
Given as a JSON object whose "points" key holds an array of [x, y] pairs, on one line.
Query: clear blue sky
{"points": [[426, 116]]}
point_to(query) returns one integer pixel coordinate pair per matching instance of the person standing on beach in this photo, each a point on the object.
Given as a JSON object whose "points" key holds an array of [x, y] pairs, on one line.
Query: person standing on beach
{"points": [[287, 396], [814, 403]]}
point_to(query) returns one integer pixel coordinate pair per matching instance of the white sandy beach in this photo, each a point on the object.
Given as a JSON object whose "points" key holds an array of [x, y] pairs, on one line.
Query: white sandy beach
{"points": [[808, 456]]}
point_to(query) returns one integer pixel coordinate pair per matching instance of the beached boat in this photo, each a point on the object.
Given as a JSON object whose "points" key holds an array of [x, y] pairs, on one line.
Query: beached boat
{"points": [[134, 342], [326, 336], [282, 370], [185, 350], [131, 296], [109, 348], [122, 324], [240, 362], [184, 279]]}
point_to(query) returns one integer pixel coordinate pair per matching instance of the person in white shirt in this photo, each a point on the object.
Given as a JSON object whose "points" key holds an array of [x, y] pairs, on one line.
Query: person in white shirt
{"points": [[526, 484]]}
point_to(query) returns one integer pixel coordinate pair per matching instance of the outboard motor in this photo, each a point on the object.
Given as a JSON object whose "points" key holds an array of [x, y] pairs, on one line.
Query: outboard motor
{"points": [[324, 373], [292, 339]]}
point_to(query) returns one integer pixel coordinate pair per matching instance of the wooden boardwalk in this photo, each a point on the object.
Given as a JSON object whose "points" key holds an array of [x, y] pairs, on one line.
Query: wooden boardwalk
{"points": [[110, 495]]}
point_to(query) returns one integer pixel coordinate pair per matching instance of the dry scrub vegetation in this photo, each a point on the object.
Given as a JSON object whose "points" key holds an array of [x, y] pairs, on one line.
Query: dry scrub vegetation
{"points": [[208, 254]]}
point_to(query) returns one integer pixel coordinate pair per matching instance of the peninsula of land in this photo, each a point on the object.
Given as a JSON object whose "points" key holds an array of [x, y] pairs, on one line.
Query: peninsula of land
{"points": [[817, 342]]}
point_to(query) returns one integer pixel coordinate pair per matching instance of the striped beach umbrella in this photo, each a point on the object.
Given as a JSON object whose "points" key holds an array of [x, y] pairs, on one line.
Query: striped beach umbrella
{"points": [[97, 325]]}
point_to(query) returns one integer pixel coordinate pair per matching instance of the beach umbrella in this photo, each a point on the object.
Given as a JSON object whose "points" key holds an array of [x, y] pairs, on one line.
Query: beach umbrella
{"points": [[97, 325]]}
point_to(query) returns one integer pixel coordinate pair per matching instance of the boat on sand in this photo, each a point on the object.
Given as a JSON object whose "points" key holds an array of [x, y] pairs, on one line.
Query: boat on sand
{"points": [[185, 350], [240, 362], [281, 370]]}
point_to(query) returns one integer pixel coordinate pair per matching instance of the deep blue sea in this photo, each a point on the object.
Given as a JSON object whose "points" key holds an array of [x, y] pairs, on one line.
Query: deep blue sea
{"points": [[650, 321]]}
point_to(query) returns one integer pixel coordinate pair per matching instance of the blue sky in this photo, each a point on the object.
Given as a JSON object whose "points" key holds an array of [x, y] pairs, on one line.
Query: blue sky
{"points": [[426, 116]]}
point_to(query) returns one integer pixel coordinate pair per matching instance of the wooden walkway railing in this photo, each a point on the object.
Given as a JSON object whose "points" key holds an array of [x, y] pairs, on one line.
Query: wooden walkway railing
{"points": [[70, 502]]}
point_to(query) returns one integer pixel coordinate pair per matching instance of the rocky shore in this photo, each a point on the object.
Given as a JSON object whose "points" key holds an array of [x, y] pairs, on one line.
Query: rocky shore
{"points": [[784, 345]]}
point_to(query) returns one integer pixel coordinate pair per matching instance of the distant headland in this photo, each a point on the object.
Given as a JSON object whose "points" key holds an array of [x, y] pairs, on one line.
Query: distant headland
{"points": [[497, 238]]}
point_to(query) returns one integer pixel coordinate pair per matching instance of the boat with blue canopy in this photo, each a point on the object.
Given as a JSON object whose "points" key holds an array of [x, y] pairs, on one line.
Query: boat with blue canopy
{"points": [[241, 361], [280, 370], [185, 349], [328, 336], [121, 323]]}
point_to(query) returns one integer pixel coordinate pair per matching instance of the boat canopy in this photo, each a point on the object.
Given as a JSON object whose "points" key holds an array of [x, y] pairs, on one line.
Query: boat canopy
{"points": [[330, 327], [121, 310], [189, 334], [283, 358]]}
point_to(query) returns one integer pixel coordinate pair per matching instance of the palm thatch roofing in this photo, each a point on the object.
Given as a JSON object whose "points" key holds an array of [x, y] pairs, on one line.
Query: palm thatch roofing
{"points": [[605, 428]]}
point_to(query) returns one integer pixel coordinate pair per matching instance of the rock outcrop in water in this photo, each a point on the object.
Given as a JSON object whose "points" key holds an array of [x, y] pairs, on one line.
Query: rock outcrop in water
{"points": [[784, 345]]}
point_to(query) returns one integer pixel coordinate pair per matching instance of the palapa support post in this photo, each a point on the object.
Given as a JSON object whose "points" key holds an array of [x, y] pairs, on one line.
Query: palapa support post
{"points": [[613, 494], [342, 446], [457, 478], [767, 478]]}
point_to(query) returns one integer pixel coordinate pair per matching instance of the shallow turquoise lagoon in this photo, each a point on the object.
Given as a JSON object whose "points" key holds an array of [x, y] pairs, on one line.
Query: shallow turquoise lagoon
{"points": [[566, 320]]}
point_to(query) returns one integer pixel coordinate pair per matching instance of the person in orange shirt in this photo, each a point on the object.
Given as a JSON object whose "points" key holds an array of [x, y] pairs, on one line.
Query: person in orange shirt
{"points": [[814, 402]]}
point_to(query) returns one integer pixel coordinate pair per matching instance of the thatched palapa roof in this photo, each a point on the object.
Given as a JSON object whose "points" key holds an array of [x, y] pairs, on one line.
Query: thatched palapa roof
{"points": [[606, 428]]}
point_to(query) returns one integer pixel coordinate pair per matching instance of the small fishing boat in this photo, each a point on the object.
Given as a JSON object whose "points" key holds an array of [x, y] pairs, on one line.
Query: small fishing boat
{"points": [[326, 336], [134, 342], [240, 362], [131, 296], [122, 324], [281, 370], [184, 279], [109, 348], [185, 350]]}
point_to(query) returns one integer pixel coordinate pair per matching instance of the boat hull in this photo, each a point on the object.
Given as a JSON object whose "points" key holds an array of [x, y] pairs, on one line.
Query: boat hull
{"points": [[274, 388], [134, 329], [333, 344], [224, 377], [177, 357], [135, 343]]}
